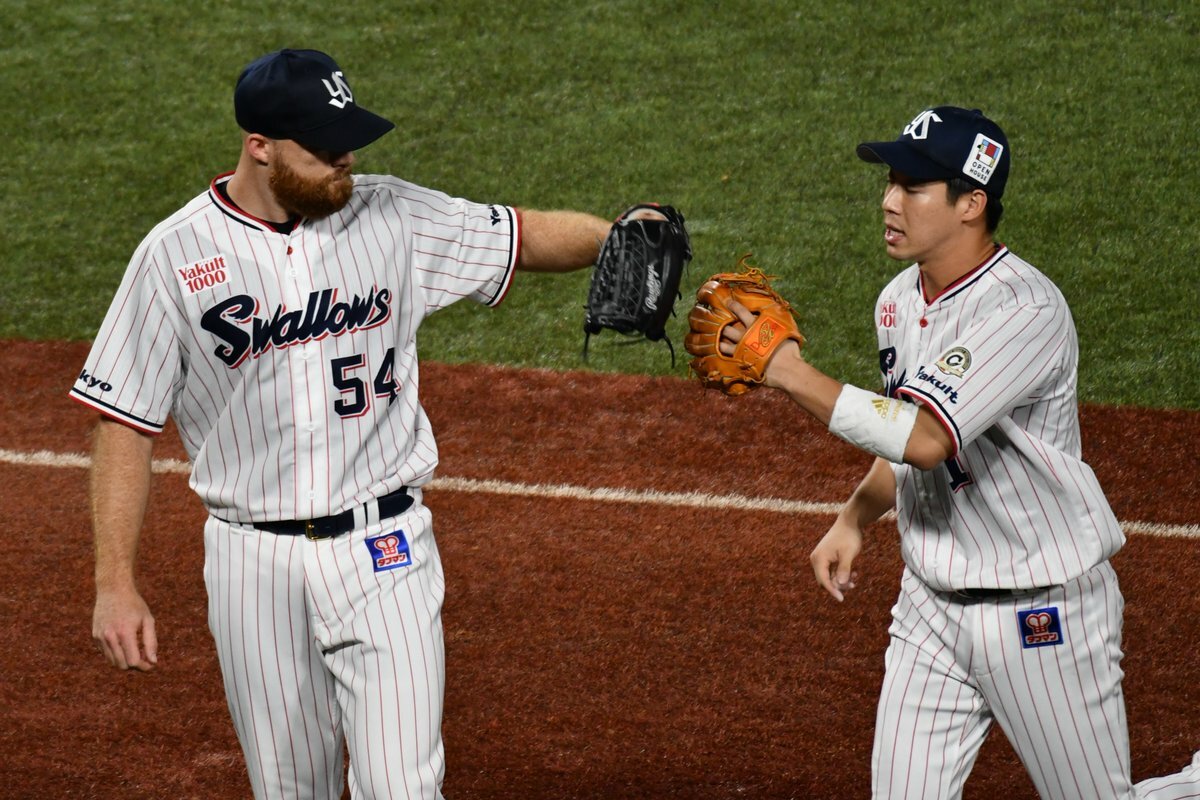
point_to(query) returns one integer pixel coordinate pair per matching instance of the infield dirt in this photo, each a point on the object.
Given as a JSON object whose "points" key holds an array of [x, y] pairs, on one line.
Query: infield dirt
{"points": [[596, 649]]}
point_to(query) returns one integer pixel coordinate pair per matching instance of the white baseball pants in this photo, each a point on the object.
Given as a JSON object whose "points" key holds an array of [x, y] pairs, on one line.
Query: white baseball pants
{"points": [[318, 645]]}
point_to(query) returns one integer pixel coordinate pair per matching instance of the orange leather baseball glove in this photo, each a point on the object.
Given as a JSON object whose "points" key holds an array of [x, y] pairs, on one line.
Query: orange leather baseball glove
{"points": [[774, 323]]}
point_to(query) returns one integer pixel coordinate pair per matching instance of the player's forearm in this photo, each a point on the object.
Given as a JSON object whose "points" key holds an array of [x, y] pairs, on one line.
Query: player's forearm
{"points": [[809, 388], [560, 241], [817, 393], [119, 489], [925, 445], [874, 496]]}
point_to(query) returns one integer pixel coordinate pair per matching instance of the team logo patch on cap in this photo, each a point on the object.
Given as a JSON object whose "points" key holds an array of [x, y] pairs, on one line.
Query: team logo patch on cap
{"points": [[389, 551], [954, 361], [1039, 627], [983, 159]]}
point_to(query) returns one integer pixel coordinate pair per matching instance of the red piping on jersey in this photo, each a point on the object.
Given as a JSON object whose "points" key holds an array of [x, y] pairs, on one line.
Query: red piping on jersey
{"points": [[520, 227], [937, 414], [519, 223], [975, 271], [128, 423], [236, 210]]}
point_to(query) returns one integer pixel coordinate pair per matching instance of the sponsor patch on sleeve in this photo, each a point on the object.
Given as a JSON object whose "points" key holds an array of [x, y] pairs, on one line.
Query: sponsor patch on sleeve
{"points": [[887, 314], [203, 274], [1039, 627], [389, 551]]}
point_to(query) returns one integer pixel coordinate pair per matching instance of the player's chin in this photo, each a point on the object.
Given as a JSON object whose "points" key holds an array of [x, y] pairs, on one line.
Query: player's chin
{"points": [[897, 247], [332, 199]]}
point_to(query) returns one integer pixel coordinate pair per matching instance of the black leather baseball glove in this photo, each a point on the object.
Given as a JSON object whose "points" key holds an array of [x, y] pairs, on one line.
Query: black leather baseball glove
{"points": [[636, 279]]}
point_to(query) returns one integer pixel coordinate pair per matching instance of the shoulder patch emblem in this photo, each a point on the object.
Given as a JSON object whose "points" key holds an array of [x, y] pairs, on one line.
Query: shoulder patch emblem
{"points": [[955, 361]]}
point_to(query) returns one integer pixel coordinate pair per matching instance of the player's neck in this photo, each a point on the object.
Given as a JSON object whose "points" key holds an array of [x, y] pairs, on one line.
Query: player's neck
{"points": [[249, 190], [943, 269]]}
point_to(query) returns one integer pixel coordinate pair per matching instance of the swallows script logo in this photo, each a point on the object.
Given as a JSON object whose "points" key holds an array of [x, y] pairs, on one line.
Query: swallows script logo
{"points": [[244, 332]]}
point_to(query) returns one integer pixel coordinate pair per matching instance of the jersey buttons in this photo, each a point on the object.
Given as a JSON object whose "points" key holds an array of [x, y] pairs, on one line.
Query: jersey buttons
{"points": [[924, 322]]}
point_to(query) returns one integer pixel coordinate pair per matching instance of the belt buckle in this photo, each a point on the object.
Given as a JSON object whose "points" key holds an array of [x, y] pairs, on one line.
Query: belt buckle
{"points": [[310, 532]]}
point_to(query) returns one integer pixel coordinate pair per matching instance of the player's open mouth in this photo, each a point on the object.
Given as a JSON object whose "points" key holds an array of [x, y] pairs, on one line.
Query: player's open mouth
{"points": [[892, 235]]}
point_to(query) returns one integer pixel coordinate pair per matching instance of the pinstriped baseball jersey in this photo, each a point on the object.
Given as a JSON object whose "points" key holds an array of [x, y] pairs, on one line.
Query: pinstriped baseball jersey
{"points": [[289, 361], [994, 358]]}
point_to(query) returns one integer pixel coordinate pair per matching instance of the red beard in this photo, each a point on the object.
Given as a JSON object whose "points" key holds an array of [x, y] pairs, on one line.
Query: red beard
{"points": [[306, 197]]}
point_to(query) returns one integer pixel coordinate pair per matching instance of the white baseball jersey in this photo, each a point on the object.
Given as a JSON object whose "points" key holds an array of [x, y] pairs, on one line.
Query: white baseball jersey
{"points": [[289, 362], [994, 358]]}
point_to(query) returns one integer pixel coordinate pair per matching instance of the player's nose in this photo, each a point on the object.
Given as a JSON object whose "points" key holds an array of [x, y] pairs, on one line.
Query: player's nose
{"points": [[890, 197]]}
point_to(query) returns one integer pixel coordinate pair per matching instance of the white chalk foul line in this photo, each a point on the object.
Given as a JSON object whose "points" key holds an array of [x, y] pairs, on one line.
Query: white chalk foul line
{"points": [[45, 458], [646, 497]]}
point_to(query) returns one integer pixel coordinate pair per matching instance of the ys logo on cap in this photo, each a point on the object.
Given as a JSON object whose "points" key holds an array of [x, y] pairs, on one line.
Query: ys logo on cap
{"points": [[389, 551], [339, 90], [919, 127]]}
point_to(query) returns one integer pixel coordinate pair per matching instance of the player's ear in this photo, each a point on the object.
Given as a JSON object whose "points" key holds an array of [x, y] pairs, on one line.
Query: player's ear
{"points": [[973, 205], [258, 147]]}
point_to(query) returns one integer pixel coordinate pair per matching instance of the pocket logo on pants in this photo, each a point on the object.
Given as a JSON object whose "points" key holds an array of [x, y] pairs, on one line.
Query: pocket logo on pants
{"points": [[389, 551], [1040, 627]]}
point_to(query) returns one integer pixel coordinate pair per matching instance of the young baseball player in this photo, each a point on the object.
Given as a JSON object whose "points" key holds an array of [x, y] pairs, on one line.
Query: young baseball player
{"points": [[1009, 611], [274, 318]]}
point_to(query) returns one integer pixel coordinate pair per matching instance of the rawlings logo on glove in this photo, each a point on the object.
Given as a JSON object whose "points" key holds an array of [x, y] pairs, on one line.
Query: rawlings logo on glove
{"points": [[636, 278], [774, 324]]}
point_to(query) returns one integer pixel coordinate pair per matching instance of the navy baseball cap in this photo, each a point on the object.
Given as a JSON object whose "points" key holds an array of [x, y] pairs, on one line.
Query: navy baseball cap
{"points": [[947, 142], [303, 95]]}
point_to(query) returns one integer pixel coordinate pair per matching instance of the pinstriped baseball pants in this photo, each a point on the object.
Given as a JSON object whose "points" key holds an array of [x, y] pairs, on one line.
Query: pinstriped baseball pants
{"points": [[956, 665], [317, 648]]}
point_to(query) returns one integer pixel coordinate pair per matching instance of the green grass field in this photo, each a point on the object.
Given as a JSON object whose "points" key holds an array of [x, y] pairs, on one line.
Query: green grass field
{"points": [[742, 114]]}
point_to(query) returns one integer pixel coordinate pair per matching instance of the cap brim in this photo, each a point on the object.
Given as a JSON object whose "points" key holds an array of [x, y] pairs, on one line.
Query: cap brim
{"points": [[353, 130], [904, 159]]}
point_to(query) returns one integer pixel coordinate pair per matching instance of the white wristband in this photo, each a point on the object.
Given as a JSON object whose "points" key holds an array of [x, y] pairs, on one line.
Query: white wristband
{"points": [[880, 425]]}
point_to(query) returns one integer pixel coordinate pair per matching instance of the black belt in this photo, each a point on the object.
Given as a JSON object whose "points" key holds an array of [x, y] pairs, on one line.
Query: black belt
{"points": [[996, 594], [390, 505]]}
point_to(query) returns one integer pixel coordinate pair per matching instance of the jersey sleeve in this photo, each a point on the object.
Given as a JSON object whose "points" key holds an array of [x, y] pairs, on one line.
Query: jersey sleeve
{"points": [[134, 370], [1003, 361], [462, 249]]}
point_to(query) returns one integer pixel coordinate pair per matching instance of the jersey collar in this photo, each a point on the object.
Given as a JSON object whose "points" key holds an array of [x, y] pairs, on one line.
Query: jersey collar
{"points": [[964, 281], [231, 210]]}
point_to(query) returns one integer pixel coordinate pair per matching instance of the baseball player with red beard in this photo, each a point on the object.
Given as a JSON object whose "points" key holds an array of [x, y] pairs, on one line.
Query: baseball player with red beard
{"points": [[274, 318], [1009, 610]]}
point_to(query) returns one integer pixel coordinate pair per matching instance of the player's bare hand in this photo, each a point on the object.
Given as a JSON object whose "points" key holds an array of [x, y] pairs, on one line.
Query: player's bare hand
{"points": [[732, 334], [647, 213], [124, 628], [833, 557]]}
